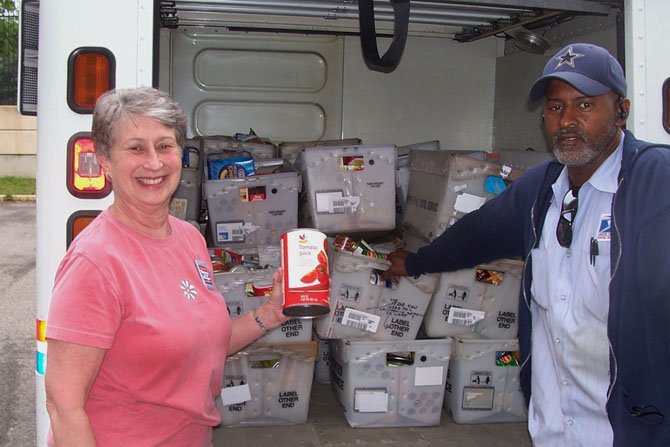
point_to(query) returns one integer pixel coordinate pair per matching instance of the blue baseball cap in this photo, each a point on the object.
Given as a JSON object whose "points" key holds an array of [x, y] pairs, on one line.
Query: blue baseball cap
{"points": [[589, 68]]}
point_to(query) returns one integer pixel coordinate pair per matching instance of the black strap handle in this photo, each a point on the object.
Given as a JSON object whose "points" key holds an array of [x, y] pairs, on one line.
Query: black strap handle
{"points": [[366, 16]]}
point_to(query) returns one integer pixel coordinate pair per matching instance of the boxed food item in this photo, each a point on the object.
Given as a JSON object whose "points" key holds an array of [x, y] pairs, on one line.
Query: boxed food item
{"points": [[483, 384], [268, 384], [365, 307], [254, 210], [212, 145], [348, 188], [444, 186], [482, 301], [390, 383], [245, 290]]}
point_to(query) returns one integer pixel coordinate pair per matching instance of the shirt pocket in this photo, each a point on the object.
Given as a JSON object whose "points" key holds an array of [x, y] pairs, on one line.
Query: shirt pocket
{"points": [[596, 305]]}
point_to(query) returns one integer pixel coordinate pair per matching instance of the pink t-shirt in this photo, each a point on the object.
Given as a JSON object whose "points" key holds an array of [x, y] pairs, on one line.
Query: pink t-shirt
{"points": [[153, 304]]}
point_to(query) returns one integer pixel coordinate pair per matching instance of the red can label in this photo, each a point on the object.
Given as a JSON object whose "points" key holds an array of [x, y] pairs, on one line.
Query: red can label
{"points": [[306, 280]]}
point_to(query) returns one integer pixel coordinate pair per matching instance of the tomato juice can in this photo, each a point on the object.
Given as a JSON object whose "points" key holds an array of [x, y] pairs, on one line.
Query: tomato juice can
{"points": [[306, 280]]}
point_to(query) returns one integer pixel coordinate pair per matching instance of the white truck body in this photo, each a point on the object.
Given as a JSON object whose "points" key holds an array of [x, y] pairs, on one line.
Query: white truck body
{"points": [[302, 77]]}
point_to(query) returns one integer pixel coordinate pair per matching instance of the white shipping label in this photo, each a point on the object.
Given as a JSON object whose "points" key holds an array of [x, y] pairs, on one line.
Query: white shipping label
{"points": [[235, 394], [360, 320], [428, 375], [371, 401], [464, 317], [334, 202], [478, 398], [233, 231], [468, 202]]}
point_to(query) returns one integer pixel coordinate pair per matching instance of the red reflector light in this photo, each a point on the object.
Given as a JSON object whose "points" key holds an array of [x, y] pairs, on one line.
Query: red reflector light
{"points": [[85, 178], [90, 74], [77, 222]]}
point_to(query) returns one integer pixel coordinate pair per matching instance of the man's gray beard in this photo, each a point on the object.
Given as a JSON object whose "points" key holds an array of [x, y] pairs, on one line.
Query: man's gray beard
{"points": [[587, 151]]}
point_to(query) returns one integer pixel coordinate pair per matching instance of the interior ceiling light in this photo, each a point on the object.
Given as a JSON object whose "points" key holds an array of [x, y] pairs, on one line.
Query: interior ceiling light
{"points": [[528, 41]]}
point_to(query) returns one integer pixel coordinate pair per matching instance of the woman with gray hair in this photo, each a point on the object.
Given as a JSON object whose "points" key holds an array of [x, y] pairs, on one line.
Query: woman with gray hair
{"points": [[138, 332]]}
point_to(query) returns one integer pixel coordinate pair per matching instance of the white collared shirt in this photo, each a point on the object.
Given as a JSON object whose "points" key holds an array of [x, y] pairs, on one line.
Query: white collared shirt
{"points": [[570, 348]]}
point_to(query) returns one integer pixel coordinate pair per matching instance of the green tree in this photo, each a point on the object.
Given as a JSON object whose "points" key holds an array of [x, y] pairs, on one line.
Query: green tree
{"points": [[9, 31]]}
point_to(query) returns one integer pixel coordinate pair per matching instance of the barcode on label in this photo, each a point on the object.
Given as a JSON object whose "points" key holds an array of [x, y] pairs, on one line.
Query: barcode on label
{"points": [[356, 325], [360, 320], [464, 317]]}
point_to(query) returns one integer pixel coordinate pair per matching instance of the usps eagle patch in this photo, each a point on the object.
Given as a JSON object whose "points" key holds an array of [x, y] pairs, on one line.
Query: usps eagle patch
{"points": [[605, 228]]}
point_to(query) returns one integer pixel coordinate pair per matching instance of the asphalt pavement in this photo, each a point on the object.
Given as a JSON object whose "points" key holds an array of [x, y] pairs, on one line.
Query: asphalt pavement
{"points": [[17, 324]]}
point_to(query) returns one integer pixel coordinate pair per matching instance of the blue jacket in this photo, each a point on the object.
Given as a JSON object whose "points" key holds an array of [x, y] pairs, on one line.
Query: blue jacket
{"points": [[510, 226]]}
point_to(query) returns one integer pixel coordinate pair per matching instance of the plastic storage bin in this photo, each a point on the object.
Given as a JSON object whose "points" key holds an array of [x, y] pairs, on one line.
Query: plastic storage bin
{"points": [[483, 382], [480, 302], [348, 188], [186, 200], [444, 186], [322, 365], [254, 210], [238, 290], [268, 385], [390, 384], [364, 307]]}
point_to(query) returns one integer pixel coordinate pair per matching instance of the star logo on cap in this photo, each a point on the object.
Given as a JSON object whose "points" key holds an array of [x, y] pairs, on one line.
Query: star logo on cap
{"points": [[568, 58]]}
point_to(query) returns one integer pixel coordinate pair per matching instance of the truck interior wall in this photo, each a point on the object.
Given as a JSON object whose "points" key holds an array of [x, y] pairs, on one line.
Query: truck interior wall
{"points": [[292, 87], [228, 83], [517, 123], [442, 90]]}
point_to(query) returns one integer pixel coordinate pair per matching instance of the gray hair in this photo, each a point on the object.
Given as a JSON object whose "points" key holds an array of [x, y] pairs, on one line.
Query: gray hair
{"points": [[114, 105]]}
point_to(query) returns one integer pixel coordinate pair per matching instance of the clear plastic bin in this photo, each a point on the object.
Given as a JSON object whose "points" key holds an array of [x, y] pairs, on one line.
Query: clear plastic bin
{"points": [[348, 188], [483, 384], [364, 307], [390, 384], [254, 210], [480, 302], [268, 385], [239, 290]]}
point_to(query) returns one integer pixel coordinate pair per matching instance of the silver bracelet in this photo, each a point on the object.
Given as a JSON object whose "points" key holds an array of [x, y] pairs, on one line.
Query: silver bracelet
{"points": [[259, 322]]}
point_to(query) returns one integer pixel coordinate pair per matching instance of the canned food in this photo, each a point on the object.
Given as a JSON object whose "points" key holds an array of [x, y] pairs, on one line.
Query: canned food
{"points": [[190, 157], [306, 280]]}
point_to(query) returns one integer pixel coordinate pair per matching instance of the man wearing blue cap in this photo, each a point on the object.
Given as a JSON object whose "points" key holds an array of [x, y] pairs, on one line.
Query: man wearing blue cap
{"points": [[593, 226]]}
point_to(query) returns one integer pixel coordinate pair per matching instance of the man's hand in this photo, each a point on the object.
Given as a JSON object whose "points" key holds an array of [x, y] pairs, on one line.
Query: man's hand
{"points": [[397, 268]]}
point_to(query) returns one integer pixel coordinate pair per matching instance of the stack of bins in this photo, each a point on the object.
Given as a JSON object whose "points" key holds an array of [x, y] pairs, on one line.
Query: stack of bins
{"points": [[269, 382], [478, 307], [381, 375]]}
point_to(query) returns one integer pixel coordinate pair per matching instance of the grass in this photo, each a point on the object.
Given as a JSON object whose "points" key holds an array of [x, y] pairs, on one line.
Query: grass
{"points": [[14, 186]]}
